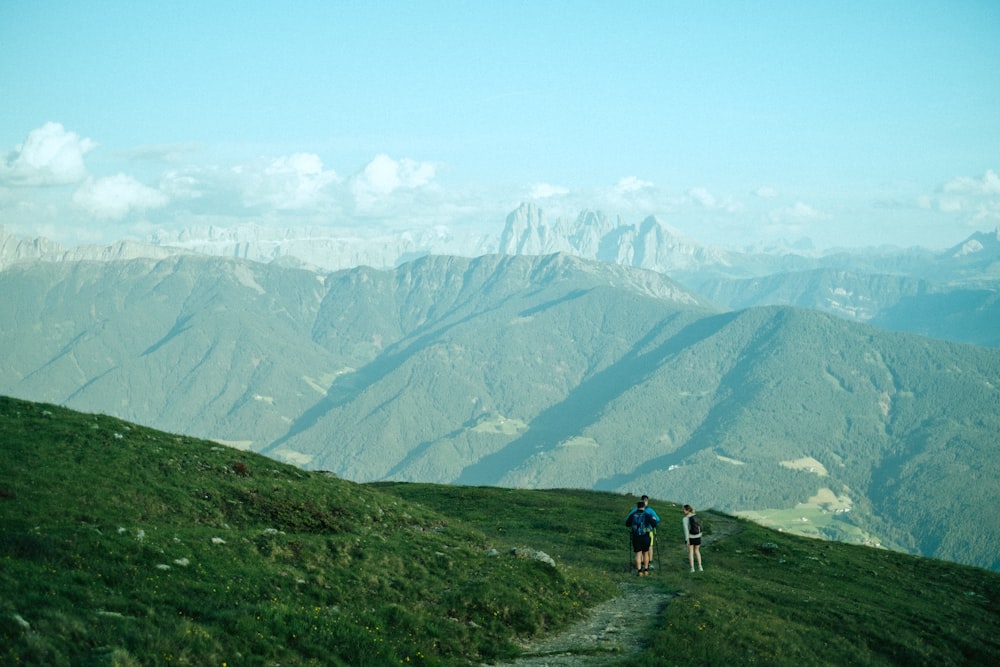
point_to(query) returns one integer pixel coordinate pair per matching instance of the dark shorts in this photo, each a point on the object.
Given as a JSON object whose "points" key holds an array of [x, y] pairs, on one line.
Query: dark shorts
{"points": [[694, 541], [641, 543]]}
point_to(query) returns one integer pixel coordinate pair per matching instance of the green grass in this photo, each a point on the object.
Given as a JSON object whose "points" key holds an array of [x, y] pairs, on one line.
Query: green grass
{"points": [[766, 597], [121, 545]]}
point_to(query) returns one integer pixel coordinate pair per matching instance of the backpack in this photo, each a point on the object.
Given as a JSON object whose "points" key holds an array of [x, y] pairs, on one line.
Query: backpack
{"points": [[694, 525], [638, 522]]}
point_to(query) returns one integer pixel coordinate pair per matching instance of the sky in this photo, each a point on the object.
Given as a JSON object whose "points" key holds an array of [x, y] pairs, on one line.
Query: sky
{"points": [[850, 123]]}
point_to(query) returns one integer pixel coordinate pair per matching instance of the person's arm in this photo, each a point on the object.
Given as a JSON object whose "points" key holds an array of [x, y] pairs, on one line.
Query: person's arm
{"points": [[687, 536]]}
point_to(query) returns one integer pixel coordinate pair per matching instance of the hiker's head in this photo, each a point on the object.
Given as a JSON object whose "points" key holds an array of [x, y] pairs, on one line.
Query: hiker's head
{"points": [[640, 505], [645, 500], [688, 509]]}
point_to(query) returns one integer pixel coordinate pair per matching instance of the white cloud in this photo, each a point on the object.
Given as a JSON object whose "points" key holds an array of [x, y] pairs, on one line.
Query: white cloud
{"points": [[383, 176], [975, 198], [182, 184], [989, 184], [791, 220], [297, 182], [49, 156], [114, 197], [702, 197], [987, 213], [291, 182], [631, 184], [766, 192], [300, 164], [546, 190], [629, 196]]}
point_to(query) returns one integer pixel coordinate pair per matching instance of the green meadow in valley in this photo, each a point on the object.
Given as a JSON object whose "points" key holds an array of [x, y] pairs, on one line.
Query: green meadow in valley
{"points": [[122, 545]]}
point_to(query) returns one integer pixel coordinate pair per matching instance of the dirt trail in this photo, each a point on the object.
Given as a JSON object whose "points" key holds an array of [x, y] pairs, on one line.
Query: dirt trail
{"points": [[611, 631], [614, 629]]}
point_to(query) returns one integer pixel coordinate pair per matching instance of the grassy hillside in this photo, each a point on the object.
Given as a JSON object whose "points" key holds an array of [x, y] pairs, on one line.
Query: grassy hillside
{"points": [[123, 545], [126, 546]]}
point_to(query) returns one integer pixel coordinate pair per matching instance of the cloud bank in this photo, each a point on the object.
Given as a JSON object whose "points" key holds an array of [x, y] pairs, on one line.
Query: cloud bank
{"points": [[57, 183], [115, 197]]}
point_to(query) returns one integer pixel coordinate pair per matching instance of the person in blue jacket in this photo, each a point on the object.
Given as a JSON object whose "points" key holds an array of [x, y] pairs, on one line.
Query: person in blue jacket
{"points": [[642, 524], [656, 519]]}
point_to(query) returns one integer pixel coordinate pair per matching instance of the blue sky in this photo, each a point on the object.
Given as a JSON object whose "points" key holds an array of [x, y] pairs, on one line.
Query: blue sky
{"points": [[848, 123]]}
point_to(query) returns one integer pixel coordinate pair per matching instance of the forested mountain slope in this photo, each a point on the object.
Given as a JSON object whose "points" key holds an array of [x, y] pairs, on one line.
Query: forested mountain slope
{"points": [[531, 372]]}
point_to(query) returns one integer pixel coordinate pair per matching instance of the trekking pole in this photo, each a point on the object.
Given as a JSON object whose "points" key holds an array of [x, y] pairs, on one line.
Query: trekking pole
{"points": [[656, 550], [657, 558]]}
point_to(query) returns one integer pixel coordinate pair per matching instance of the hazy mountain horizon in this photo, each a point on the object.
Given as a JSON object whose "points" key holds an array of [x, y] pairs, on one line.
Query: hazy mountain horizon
{"points": [[528, 229]]}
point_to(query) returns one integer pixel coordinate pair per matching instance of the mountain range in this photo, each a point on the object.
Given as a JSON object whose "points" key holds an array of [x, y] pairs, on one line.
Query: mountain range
{"points": [[950, 294], [552, 371]]}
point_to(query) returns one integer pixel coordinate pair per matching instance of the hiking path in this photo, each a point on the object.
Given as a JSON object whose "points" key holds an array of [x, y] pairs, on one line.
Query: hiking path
{"points": [[612, 630]]}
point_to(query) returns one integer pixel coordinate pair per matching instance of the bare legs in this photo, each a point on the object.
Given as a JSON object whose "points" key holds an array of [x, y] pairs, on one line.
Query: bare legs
{"points": [[694, 553], [642, 562]]}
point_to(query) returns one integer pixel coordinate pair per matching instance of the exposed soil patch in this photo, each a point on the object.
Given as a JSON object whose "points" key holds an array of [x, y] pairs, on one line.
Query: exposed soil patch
{"points": [[611, 631], [720, 527]]}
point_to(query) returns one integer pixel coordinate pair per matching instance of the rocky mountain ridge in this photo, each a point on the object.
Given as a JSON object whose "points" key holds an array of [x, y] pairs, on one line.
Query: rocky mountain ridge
{"points": [[952, 294], [528, 230]]}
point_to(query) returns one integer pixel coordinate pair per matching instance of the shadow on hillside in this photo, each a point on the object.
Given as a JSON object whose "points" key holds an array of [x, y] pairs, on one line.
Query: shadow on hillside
{"points": [[347, 387], [585, 403], [706, 435]]}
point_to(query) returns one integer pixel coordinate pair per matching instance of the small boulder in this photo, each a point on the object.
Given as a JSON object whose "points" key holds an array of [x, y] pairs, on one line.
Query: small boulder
{"points": [[534, 554]]}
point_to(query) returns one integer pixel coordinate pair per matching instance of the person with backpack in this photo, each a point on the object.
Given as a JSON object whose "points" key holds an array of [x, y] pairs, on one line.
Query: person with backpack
{"points": [[641, 524], [656, 519], [692, 536]]}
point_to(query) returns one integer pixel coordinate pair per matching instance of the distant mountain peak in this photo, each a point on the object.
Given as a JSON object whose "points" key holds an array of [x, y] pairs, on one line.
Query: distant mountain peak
{"points": [[977, 243], [650, 244]]}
